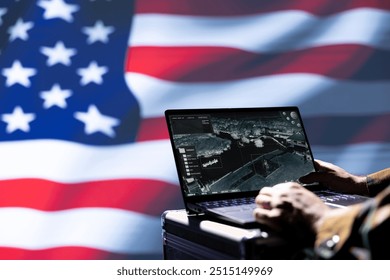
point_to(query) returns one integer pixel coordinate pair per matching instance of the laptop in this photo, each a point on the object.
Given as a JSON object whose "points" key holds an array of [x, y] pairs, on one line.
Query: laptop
{"points": [[225, 156]]}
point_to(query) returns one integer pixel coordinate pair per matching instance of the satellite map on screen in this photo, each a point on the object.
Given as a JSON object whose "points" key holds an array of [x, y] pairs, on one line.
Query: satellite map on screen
{"points": [[223, 153]]}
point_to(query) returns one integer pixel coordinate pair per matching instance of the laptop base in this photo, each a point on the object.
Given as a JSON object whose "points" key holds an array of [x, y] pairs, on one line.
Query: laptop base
{"points": [[198, 237]]}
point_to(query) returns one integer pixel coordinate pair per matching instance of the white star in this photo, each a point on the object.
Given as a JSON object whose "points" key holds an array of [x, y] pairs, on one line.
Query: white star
{"points": [[93, 73], [94, 121], [55, 97], [3, 11], [18, 74], [58, 54], [19, 30], [18, 120], [58, 9], [99, 32]]}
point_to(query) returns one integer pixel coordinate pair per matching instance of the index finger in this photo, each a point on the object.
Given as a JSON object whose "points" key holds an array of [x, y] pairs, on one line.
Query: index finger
{"points": [[266, 191]]}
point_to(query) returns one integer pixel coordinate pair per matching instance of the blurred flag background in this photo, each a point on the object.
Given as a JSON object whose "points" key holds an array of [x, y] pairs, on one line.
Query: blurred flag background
{"points": [[86, 168]]}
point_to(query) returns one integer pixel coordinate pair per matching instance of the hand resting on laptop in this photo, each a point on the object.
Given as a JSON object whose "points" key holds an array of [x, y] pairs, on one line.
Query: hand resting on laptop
{"points": [[358, 231], [336, 178], [289, 205]]}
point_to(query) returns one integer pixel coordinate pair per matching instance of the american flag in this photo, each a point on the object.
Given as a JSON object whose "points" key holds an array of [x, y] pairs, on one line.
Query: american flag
{"points": [[86, 167]]}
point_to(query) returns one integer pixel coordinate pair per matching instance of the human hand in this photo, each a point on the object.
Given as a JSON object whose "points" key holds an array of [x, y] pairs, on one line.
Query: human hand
{"points": [[289, 206], [336, 178]]}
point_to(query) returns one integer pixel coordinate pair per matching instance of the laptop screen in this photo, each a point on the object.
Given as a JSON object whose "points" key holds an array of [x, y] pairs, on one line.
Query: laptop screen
{"points": [[220, 151]]}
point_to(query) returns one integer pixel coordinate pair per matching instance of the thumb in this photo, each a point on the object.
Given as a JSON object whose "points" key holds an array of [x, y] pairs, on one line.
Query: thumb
{"points": [[314, 177]]}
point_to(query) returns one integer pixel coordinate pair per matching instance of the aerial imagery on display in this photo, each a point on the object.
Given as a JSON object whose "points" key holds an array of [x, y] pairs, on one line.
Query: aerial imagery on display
{"points": [[222, 154]]}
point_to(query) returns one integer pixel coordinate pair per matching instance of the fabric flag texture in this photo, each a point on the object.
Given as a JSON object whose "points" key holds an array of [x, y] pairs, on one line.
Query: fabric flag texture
{"points": [[86, 168]]}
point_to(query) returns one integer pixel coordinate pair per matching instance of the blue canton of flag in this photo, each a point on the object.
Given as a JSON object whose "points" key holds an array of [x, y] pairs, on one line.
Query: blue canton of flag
{"points": [[62, 71], [72, 177]]}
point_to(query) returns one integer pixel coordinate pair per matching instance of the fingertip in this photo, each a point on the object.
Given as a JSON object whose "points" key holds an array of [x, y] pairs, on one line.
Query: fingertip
{"points": [[265, 190], [260, 212], [321, 165], [303, 179], [257, 214], [263, 203], [309, 178]]}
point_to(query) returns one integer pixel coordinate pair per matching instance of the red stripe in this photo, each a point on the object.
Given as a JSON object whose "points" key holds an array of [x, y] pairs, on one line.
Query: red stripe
{"points": [[143, 196], [211, 64], [158, 133], [244, 7], [336, 130], [378, 126], [152, 129], [344, 130], [65, 253]]}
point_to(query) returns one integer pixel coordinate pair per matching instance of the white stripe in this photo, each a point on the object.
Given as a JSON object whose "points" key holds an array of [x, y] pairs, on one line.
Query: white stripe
{"points": [[357, 158], [278, 31], [68, 162], [314, 94], [112, 230]]}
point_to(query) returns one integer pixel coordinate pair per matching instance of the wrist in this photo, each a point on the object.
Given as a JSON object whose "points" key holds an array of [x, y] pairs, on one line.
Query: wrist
{"points": [[361, 183], [321, 217]]}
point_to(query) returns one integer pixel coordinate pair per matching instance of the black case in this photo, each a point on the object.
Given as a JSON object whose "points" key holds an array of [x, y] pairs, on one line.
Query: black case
{"points": [[197, 237]]}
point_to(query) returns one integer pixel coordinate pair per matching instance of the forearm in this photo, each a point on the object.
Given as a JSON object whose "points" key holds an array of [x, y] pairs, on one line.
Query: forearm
{"points": [[360, 231], [334, 231], [378, 181]]}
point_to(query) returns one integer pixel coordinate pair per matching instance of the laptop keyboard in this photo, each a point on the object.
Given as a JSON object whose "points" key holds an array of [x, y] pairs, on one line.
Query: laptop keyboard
{"points": [[248, 203], [229, 205], [340, 199]]}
